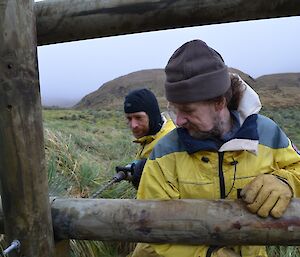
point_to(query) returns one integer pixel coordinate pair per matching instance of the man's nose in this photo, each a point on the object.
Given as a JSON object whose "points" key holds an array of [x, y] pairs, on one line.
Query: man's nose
{"points": [[133, 123]]}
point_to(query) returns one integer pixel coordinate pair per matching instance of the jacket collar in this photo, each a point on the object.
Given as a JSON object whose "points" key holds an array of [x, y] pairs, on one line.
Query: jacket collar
{"points": [[237, 139], [249, 102], [149, 138], [144, 140]]}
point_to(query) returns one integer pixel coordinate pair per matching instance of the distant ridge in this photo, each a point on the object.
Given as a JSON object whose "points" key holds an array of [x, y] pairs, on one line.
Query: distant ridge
{"points": [[111, 94], [278, 90]]}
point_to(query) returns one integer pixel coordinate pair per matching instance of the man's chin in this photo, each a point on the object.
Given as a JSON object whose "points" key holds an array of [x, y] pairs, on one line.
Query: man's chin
{"points": [[137, 136], [202, 135]]}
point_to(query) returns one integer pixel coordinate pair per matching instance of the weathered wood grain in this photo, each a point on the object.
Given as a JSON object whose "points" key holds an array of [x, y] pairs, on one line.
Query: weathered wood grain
{"points": [[70, 20], [23, 177]]}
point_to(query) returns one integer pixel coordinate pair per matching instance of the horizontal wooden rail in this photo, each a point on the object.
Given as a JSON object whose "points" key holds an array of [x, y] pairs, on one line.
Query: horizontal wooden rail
{"points": [[70, 20], [220, 222]]}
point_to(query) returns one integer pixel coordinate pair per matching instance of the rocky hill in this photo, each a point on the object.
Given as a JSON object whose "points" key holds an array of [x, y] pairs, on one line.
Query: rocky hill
{"points": [[111, 94], [280, 90]]}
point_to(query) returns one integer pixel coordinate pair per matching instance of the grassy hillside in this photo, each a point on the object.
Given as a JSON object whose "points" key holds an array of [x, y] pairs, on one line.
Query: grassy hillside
{"points": [[279, 90], [111, 94], [84, 146], [275, 90]]}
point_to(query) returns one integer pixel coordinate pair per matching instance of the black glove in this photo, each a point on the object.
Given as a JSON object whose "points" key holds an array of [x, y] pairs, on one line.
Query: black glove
{"points": [[137, 172], [132, 171]]}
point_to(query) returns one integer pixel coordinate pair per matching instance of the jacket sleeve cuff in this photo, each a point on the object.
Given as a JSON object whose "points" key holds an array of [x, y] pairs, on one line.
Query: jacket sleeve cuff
{"points": [[284, 180]]}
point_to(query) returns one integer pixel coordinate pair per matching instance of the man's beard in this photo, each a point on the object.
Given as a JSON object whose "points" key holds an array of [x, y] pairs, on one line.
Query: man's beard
{"points": [[215, 132]]}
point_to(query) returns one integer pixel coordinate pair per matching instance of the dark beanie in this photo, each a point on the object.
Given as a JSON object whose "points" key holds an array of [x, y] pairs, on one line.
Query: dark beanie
{"points": [[195, 72], [143, 100]]}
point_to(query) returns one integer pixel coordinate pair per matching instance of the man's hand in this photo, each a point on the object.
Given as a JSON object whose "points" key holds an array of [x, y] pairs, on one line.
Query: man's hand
{"points": [[131, 172], [267, 194], [226, 252], [137, 172]]}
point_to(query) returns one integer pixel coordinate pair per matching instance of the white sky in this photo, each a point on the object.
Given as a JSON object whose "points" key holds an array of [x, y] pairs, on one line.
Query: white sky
{"points": [[69, 71]]}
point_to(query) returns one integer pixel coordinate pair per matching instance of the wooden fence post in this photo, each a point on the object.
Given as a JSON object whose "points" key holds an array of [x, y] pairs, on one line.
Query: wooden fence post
{"points": [[62, 248], [24, 187]]}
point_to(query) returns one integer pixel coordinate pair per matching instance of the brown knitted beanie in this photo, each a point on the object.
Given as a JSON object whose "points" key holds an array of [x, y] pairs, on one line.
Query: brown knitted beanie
{"points": [[195, 72]]}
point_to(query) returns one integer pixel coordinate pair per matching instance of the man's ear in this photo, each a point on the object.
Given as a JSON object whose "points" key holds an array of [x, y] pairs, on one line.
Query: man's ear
{"points": [[220, 104]]}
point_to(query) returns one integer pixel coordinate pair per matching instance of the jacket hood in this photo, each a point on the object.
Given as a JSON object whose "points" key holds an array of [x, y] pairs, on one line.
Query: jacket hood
{"points": [[249, 103]]}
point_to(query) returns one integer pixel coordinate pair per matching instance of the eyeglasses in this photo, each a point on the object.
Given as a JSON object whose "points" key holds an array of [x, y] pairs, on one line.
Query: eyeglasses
{"points": [[172, 112], [186, 110]]}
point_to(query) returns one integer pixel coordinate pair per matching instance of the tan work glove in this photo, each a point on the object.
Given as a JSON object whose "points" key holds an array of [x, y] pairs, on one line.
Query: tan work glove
{"points": [[267, 194], [226, 252]]}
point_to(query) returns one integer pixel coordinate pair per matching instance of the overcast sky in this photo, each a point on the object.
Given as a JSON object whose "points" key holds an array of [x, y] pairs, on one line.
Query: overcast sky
{"points": [[69, 71]]}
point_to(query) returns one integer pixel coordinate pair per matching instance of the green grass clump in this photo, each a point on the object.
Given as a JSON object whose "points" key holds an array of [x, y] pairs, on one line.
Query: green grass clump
{"points": [[288, 119], [82, 150], [283, 251]]}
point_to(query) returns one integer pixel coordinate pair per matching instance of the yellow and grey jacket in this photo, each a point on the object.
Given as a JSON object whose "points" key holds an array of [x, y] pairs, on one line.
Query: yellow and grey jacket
{"points": [[147, 143], [182, 167]]}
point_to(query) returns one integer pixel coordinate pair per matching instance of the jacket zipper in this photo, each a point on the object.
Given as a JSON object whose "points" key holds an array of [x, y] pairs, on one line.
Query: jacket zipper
{"points": [[141, 151], [221, 175], [214, 248]]}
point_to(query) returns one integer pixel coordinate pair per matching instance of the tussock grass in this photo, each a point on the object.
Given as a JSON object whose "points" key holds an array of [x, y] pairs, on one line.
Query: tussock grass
{"points": [[283, 251], [67, 164], [82, 150], [289, 120]]}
